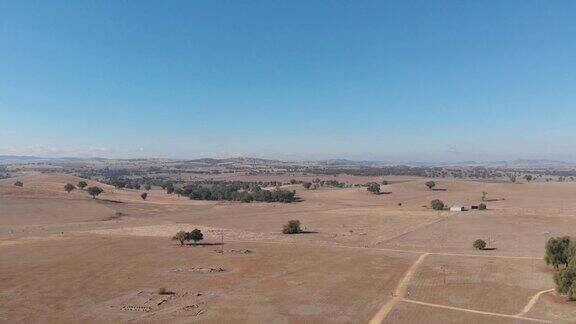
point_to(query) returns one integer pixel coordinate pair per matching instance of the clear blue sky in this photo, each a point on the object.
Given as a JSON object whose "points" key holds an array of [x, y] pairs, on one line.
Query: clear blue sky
{"points": [[387, 80]]}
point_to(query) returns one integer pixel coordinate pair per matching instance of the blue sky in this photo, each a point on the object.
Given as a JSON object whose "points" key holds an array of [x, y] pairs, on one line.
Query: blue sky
{"points": [[378, 80]]}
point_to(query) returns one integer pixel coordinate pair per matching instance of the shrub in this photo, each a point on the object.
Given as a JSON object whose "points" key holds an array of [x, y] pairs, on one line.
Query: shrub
{"points": [[82, 184], [292, 227], [69, 187], [144, 195], [19, 183], [384, 183], [307, 185], [147, 187], [482, 206], [181, 237], [479, 244], [94, 191], [374, 188], [163, 291], [437, 204], [430, 184]]}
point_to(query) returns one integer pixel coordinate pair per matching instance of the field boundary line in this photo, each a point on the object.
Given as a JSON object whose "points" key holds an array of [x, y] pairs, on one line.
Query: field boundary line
{"points": [[533, 301], [474, 311], [399, 292]]}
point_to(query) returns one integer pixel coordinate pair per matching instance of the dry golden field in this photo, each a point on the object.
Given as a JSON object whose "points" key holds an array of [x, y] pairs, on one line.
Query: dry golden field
{"points": [[70, 258]]}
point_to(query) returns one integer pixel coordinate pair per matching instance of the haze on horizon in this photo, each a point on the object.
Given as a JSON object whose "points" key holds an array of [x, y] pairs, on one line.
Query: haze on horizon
{"points": [[300, 80]]}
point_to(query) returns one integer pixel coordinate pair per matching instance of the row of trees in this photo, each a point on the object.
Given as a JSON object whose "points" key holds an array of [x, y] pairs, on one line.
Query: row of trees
{"points": [[233, 191], [561, 254], [93, 191]]}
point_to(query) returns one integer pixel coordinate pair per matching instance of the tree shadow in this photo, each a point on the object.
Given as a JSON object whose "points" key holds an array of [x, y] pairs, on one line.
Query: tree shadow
{"points": [[489, 249]]}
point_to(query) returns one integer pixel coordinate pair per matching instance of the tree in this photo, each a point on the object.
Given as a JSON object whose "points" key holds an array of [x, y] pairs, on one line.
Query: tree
{"points": [[482, 206], [528, 177], [94, 191], [374, 188], [170, 189], [144, 195], [19, 183], [292, 227], [479, 244], [181, 237], [512, 177], [437, 204], [384, 182], [307, 185], [82, 184], [196, 235], [557, 251], [147, 187], [430, 184], [562, 251], [69, 187]]}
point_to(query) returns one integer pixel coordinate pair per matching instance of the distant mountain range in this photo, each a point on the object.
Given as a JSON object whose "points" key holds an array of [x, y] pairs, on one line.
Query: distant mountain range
{"points": [[519, 163]]}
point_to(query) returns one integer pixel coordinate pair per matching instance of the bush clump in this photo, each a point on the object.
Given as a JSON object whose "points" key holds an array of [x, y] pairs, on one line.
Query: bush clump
{"points": [[479, 244], [292, 227], [482, 206], [437, 204], [19, 183]]}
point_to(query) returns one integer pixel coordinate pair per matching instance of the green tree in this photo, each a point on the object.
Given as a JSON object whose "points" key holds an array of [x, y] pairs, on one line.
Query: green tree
{"points": [[144, 195], [196, 235], [82, 184], [69, 187], [94, 191], [181, 237], [430, 184], [437, 204], [374, 188], [557, 251], [293, 227], [479, 244], [19, 183], [565, 279]]}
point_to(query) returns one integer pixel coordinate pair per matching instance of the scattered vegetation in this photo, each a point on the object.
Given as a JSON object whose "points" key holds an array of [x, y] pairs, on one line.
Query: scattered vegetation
{"points": [[19, 183], [430, 184], [479, 244], [94, 191], [307, 185], [437, 204], [69, 187], [292, 227]]}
